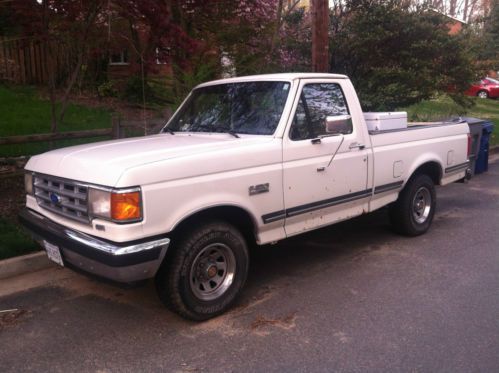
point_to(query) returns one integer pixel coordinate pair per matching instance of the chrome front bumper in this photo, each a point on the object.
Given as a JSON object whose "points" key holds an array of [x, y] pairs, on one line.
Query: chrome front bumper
{"points": [[118, 261]]}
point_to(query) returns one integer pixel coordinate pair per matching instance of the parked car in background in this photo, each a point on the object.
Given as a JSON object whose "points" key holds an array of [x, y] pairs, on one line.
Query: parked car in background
{"points": [[485, 88]]}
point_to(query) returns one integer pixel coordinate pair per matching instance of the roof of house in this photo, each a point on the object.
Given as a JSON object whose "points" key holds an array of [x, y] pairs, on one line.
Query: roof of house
{"points": [[448, 16]]}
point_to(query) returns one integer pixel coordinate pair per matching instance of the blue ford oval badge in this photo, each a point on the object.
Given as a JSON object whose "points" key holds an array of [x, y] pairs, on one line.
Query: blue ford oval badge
{"points": [[54, 198]]}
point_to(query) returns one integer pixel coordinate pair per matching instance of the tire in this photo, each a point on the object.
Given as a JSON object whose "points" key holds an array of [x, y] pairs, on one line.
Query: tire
{"points": [[204, 272], [482, 94], [412, 213]]}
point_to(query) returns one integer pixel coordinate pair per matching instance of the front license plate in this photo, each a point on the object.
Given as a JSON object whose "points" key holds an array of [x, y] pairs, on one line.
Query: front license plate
{"points": [[53, 253]]}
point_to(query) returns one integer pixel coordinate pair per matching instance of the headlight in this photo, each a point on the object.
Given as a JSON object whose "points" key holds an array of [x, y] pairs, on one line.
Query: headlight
{"points": [[116, 205], [99, 203], [28, 183]]}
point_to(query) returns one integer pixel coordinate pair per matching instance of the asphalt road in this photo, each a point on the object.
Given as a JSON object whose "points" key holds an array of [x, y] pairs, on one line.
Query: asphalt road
{"points": [[350, 298]]}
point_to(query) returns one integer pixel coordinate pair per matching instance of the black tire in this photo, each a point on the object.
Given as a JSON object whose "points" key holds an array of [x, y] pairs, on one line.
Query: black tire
{"points": [[412, 213], [193, 282]]}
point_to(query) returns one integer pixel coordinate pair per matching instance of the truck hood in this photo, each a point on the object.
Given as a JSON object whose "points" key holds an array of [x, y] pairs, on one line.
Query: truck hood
{"points": [[104, 162]]}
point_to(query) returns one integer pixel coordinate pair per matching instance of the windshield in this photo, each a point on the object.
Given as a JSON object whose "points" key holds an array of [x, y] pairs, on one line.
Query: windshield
{"points": [[248, 108]]}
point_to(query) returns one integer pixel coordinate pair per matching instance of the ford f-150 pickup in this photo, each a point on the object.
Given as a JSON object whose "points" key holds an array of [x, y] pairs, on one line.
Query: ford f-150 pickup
{"points": [[242, 161]]}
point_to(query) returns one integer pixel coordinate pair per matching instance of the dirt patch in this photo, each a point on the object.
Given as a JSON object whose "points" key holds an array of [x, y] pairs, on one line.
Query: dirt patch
{"points": [[12, 317], [262, 324], [265, 294]]}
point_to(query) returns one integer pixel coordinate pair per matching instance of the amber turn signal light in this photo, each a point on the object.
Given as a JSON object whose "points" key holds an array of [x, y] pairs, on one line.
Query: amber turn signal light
{"points": [[126, 206]]}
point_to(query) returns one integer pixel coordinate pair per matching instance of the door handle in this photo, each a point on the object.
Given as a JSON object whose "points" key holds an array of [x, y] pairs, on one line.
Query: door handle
{"points": [[321, 169], [356, 145]]}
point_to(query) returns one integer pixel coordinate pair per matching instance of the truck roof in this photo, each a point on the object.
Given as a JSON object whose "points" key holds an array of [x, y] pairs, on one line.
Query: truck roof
{"points": [[267, 77]]}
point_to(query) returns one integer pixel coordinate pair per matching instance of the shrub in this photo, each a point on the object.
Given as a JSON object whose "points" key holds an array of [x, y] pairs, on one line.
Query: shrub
{"points": [[108, 89], [398, 56]]}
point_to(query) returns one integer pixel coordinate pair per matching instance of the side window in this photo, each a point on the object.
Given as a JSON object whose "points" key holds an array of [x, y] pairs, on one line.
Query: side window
{"points": [[317, 102]]}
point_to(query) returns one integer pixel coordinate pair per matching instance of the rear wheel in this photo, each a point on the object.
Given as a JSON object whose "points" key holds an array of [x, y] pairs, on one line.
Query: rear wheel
{"points": [[204, 272], [412, 213], [483, 94]]}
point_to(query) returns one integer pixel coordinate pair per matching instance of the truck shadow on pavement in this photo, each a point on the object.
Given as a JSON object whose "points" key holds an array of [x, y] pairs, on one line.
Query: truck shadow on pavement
{"points": [[275, 270], [272, 266]]}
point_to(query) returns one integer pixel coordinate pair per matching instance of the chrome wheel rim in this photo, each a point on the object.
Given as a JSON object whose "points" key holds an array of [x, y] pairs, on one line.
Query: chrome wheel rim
{"points": [[482, 94], [212, 271], [421, 205]]}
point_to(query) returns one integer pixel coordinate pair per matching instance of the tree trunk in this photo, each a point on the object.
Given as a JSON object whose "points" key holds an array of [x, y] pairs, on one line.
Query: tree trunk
{"points": [[277, 28], [53, 101], [320, 40], [51, 67], [452, 7], [89, 22], [69, 88], [465, 11]]}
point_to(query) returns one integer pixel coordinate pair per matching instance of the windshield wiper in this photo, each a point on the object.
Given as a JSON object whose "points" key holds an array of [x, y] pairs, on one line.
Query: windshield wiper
{"points": [[169, 130], [233, 133], [217, 129]]}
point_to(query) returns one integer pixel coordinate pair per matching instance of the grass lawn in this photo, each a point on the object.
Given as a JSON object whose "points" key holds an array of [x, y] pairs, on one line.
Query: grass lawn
{"points": [[443, 108], [13, 241], [23, 113]]}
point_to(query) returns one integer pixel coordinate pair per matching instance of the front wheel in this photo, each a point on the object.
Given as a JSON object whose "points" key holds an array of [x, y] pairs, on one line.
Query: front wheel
{"points": [[412, 213], [483, 94], [205, 272]]}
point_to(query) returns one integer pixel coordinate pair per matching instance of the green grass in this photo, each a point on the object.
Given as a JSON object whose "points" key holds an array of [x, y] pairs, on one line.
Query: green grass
{"points": [[13, 241], [23, 113], [443, 108]]}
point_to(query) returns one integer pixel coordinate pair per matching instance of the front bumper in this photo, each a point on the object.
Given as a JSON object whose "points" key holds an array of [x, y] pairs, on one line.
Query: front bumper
{"points": [[118, 261]]}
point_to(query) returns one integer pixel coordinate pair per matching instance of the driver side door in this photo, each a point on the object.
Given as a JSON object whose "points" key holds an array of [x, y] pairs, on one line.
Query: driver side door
{"points": [[324, 164]]}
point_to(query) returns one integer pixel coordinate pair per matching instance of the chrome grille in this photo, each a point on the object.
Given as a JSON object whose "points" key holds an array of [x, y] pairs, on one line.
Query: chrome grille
{"points": [[62, 197]]}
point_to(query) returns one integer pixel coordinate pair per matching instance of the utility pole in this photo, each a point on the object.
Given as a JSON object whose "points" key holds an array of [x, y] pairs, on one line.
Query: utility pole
{"points": [[320, 42]]}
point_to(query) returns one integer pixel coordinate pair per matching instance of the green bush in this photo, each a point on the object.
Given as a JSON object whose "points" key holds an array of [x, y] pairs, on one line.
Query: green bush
{"points": [[135, 91], [108, 89], [397, 55]]}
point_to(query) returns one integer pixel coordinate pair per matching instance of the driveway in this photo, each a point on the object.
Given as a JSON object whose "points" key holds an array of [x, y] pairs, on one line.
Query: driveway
{"points": [[354, 297]]}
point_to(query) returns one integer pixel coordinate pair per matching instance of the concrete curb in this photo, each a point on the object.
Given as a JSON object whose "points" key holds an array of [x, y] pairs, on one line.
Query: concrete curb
{"points": [[24, 264]]}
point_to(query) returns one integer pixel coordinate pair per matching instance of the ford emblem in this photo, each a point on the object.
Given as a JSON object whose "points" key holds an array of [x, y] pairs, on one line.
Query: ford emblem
{"points": [[55, 198]]}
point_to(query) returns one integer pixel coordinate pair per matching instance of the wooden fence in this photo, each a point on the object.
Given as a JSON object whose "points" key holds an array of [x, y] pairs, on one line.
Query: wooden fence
{"points": [[26, 61], [13, 166], [23, 139]]}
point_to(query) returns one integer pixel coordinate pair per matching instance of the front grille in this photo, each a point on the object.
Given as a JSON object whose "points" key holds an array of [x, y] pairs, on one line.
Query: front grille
{"points": [[62, 197]]}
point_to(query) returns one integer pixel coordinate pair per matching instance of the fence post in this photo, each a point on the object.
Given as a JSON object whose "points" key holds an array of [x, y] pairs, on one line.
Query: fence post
{"points": [[116, 124]]}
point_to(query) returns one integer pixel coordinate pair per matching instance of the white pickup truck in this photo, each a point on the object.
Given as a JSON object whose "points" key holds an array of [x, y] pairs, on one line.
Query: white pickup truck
{"points": [[244, 160]]}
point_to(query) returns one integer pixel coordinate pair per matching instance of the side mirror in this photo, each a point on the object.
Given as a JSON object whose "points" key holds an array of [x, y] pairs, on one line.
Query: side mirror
{"points": [[340, 124]]}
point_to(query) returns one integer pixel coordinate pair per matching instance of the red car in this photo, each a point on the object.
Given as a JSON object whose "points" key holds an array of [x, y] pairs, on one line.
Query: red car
{"points": [[485, 88]]}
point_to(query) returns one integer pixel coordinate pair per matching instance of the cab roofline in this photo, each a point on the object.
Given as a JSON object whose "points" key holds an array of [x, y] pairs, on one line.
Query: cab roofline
{"points": [[274, 77]]}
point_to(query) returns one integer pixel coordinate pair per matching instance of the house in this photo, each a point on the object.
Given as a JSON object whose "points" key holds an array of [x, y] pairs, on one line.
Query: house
{"points": [[126, 45], [455, 25]]}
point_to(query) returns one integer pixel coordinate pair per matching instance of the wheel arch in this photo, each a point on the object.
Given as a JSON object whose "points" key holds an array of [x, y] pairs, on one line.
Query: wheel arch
{"points": [[232, 214], [431, 168]]}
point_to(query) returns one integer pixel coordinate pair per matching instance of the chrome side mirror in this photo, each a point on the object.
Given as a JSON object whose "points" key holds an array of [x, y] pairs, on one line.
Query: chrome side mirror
{"points": [[339, 124]]}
